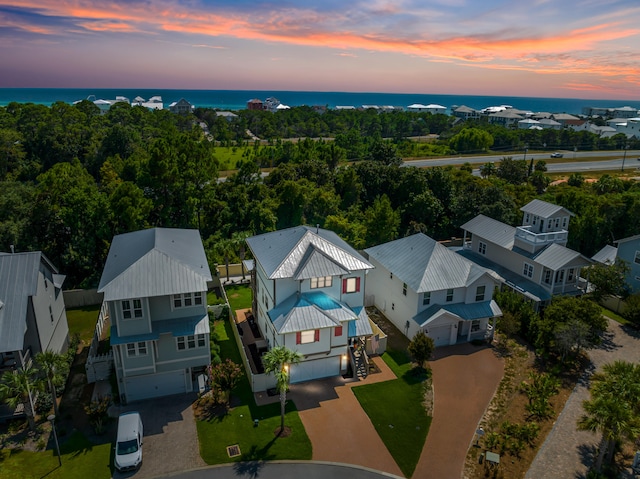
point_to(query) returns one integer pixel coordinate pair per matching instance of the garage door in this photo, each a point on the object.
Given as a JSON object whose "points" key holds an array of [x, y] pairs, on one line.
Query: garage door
{"points": [[441, 335], [155, 385], [321, 368]]}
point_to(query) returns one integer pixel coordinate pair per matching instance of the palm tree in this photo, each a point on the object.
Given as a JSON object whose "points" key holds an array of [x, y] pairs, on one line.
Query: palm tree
{"points": [[277, 360], [17, 387], [52, 364], [239, 239]]}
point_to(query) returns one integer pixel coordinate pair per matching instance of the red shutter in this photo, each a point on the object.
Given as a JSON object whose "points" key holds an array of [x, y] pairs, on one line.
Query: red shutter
{"points": [[357, 284], [338, 331], [344, 286], [298, 337], [316, 336]]}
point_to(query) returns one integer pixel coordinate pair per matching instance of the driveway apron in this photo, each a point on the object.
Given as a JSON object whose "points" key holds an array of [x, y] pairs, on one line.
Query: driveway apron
{"points": [[465, 378], [339, 429], [568, 452]]}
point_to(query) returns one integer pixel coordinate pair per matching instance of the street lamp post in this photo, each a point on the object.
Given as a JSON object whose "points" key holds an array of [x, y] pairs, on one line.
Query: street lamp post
{"points": [[624, 157], [52, 419]]}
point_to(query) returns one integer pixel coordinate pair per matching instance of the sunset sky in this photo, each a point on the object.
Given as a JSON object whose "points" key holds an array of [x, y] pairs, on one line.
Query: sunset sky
{"points": [[546, 48]]}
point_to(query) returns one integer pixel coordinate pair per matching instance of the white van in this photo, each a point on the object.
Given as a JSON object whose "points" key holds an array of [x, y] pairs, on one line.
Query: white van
{"points": [[129, 442]]}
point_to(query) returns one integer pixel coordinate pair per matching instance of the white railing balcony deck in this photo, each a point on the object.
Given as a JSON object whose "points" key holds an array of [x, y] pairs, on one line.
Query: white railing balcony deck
{"points": [[525, 234]]}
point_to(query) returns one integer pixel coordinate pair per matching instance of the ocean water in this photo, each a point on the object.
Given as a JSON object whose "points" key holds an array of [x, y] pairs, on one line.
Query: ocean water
{"points": [[237, 99]]}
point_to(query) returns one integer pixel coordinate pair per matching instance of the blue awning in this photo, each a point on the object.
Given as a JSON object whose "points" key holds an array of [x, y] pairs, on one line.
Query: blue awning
{"points": [[176, 327], [134, 338]]}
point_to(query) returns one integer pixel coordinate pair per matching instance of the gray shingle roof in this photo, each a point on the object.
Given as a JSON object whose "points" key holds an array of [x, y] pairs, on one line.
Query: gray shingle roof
{"points": [[491, 230], [424, 264], [18, 281], [543, 209], [555, 256], [154, 262], [303, 252]]}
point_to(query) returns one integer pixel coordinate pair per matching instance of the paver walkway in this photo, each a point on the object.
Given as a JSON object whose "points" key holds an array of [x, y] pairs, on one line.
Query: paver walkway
{"points": [[568, 452], [465, 379], [339, 429]]}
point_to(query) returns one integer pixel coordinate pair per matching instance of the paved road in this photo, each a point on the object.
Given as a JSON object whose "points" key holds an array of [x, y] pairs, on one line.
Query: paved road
{"points": [[568, 452], [284, 470]]}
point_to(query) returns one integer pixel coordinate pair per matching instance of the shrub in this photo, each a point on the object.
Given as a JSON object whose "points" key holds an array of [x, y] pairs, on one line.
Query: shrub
{"points": [[97, 411]]}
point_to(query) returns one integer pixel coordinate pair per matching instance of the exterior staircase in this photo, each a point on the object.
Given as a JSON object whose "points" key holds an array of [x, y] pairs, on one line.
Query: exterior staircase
{"points": [[360, 361]]}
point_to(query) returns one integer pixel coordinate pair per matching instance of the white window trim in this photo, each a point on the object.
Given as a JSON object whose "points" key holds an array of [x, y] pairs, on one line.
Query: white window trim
{"points": [[484, 292], [426, 298], [636, 258], [528, 270], [447, 298], [138, 346], [305, 335], [132, 309], [482, 248], [475, 325], [197, 338], [193, 298], [321, 282], [351, 285]]}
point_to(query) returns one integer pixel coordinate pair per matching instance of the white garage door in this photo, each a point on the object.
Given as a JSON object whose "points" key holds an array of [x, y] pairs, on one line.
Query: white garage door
{"points": [[441, 335], [155, 385], [321, 368]]}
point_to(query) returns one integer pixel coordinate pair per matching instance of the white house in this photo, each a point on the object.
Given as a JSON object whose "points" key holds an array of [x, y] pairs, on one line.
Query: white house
{"points": [[533, 258], [308, 295], [155, 288], [33, 318], [421, 285]]}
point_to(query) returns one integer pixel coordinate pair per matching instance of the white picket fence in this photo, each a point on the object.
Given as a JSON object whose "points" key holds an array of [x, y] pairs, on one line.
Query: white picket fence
{"points": [[98, 367]]}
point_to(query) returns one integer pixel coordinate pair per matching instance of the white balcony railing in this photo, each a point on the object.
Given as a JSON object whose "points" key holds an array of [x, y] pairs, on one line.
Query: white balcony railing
{"points": [[524, 233]]}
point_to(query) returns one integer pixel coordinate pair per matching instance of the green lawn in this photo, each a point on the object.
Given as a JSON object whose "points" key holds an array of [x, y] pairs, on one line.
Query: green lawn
{"points": [[80, 459], [239, 296], [83, 321], [615, 316], [396, 411], [237, 427]]}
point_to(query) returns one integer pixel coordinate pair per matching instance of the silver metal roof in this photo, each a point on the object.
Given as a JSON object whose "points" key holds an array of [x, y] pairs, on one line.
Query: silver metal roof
{"points": [[303, 252], [630, 238], [606, 255], [491, 230], [465, 311], [556, 256], [424, 264], [154, 262], [543, 209], [18, 281]]}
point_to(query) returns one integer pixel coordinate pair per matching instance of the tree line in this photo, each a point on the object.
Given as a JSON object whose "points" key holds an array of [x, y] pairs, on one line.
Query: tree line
{"points": [[72, 178]]}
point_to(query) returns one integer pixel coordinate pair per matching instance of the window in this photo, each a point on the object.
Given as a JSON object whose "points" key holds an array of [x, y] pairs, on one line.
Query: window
{"points": [[426, 298], [337, 331], [393, 306], [190, 342], [549, 224], [564, 222], [187, 300], [526, 217], [570, 274], [137, 349], [404, 289], [560, 276], [480, 293], [449, 295], [535, 219], [636, 258], [475, 325], [321, 282], [482, 247], [131, 308], [557, 222], [390, 275], [547, 276], [528, 270], [51, 313], [305, 337], [351, 285]]}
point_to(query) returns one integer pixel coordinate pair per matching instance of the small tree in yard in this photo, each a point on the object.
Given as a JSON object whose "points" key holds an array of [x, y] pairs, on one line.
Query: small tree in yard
{"points": [[19, 387], [225, 377], [421, 349], [53, 365], [277, 360]]}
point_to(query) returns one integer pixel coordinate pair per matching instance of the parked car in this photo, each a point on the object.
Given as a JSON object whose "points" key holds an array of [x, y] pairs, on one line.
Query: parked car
{"points": [[128, 455], [556, 155]]}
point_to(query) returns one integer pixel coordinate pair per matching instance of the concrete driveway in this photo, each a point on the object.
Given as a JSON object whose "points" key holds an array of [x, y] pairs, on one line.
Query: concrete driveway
{"points": [[465, 378], [170, 436]]}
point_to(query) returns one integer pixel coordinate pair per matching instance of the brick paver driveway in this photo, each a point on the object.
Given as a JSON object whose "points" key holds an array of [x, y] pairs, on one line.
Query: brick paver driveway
{"points": [[339, 429], [170, 436], [465, 378], [568, 452]]}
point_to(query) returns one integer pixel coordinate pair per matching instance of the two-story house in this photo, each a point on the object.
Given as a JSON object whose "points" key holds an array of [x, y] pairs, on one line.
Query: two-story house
{"points": [[308, 295], [628, 250], [155, 287], [33, 318], [532, 258], [421, 285]]}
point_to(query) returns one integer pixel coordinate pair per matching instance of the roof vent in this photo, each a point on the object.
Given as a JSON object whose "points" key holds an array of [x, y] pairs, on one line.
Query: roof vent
{"points": [[13, 248]]}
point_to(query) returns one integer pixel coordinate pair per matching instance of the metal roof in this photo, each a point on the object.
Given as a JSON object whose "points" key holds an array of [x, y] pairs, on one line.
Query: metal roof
{"points": [[362, 325], [543, 209], [491, 230], [154, 262], [556, 256], [307, 311], [630, 238], [18, 281], [606, 255], [467, 312], [303, 252], [424, 264], [188, 326]]}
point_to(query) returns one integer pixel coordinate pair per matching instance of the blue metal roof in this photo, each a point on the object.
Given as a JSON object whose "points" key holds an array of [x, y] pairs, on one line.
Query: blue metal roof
{"points": [[465, 311], [177, 327]]}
